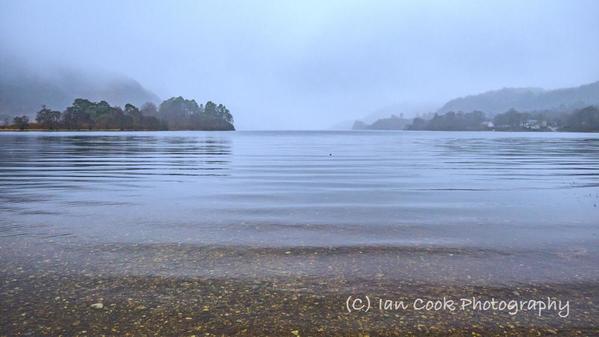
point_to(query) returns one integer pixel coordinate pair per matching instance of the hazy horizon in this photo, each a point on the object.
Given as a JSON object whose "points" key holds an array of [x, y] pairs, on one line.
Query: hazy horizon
{"points": [[310, 65]]}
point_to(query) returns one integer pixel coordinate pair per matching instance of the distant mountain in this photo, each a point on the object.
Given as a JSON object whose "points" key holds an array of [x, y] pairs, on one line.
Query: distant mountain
{"points": [[24, 92], [526, 99], [389, 116], [390, 123], [403, 109]]}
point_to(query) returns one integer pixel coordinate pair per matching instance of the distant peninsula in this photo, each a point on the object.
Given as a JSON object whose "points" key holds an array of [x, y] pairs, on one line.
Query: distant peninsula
{"points": [[176, 113], [579, 120], [84, 99], [511, 109], [526, 100]]}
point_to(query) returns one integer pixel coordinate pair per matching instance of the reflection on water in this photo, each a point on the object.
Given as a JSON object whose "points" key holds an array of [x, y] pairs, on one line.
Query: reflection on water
{"points": [[302, 188], [50, 160]]}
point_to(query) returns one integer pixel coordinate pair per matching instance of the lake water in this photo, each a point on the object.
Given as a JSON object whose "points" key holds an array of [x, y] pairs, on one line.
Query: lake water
{"points": [[507, 192]]}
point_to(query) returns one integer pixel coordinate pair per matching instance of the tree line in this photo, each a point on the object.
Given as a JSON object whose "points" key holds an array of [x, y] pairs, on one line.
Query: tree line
{"points": [[176, 113], [581, 120]]}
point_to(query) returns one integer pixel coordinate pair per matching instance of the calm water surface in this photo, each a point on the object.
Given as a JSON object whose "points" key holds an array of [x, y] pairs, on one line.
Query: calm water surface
{"points": [[501, 190]]}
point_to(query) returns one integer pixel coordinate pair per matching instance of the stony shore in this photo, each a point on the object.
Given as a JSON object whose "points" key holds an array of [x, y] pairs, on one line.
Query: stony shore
{"points": [[58, 291]]}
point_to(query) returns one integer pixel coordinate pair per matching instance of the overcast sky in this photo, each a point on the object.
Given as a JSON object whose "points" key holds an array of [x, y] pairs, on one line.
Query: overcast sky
{"points": [[311, 64]]}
